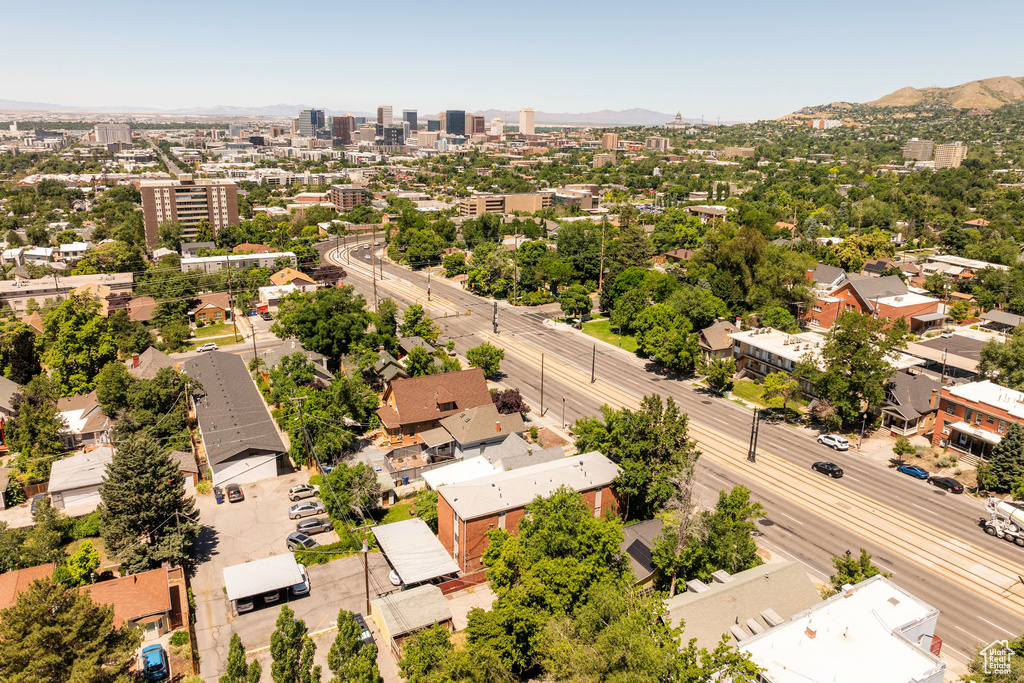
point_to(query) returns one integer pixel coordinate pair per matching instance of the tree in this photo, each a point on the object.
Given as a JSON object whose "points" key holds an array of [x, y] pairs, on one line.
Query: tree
{"points": [[420, 362], [45, 543], [980, 673], [174, 335], [54, 634], [78, 344], [112, 385], [168, 234], [236, 669], [81, 564], [698, 305], [416, 323], [667, 337], [19, 361], [780, 386], [131, 336], [1003, 362], [454, 264], [349, 659], [628, 308], [575, 301], [486, 357], [426, 507], [34, 431], [509, 401], [329, 321], [1006, 463], [143, 498], [386, 317], [291, 650], [779, 318], [960, 311], [204, 231], [719, 373], [350, 490], [852, 570]]}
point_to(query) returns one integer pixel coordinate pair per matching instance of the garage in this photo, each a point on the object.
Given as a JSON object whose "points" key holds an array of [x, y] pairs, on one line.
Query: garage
{"points": [[75, 480], [250, 579]]}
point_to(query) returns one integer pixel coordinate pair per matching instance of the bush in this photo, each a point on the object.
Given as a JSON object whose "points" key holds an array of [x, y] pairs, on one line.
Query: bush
{"points": [[946, 461], [536, 298], [15, 495], [903, 446], [204, 486], [200, 324], [86, 527], [323, 554], [316, 479], [179, 638], [533, 433]]}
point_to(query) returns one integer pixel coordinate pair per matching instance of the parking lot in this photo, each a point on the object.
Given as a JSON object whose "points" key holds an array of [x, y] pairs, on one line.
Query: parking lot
{"points": [[254, 529]]}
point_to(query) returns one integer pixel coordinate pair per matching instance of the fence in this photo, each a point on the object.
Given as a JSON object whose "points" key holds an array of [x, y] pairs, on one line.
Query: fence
{"points": [[474, 579]]}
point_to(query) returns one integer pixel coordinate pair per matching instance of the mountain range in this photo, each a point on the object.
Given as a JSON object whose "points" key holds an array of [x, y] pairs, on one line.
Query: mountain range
{"points": [[990, 93]]}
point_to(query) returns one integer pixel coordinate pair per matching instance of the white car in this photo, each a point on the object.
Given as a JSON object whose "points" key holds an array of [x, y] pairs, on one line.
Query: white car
{"points": [[302, 588], [834, 441], [394, 578], [208, 346], [300, 491]]}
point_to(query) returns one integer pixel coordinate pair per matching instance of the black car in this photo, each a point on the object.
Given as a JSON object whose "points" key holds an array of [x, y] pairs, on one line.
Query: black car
{"points": [[234, 492], [37, 500], [314, 525], [364, 632], [297, 541], [266, 315], [830, 468], [947, 483]]}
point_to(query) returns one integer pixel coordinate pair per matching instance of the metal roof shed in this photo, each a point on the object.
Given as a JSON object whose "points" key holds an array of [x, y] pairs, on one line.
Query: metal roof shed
{"points": [[414, 551], [261, 576]]}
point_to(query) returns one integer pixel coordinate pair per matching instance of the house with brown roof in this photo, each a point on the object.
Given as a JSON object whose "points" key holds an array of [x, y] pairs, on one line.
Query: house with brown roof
{"points": [[976, 223], [415, 404], [145, 365], [141, 309], [86, 422], [212, 308], [18, 581], [250, 248], [290, 276], [715, 341], [142, 600], [35, 321]]}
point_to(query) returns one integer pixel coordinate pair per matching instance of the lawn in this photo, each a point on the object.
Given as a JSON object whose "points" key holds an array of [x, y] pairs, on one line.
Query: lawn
{"points": [[751, 392], [603, 330], [215, 330], [193, 344], [397, 513]]}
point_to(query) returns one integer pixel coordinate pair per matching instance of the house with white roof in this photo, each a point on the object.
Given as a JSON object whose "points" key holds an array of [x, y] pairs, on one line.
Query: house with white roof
{"points": [[39, 255], [75, 480], [73, 251], [973, 417]]}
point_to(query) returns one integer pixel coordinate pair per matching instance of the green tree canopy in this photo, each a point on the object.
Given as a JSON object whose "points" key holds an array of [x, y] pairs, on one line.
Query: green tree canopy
{"points": [[34, 431], [77, 344], [329, 321], [486, 357], [1003, 361], [416, 323]]}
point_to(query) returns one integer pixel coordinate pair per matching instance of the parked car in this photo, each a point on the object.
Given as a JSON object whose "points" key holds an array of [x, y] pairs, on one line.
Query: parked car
{"points": [[234, 492], [154, 663], [306, 509], [302, 588], [315, 525], [266, 315], [364, 633], [270, 597], [208, 346], [300, 491], [37, 500], [244, 605], [834, 441], [948, 483], [830, 468], [395, 579], [946, 334], [913, 470], [299, 541]]}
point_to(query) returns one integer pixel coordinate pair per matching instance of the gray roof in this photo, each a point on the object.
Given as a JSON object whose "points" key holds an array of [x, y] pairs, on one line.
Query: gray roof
{"points": [[871, 288], [514, 489], [233, 419], [273, 357], [186, 461], [716, 337], [826, 274], [474, 425], [912, 394], [637, 544], [81, 469], [407, 344], [1003, 318], [513, 446], [261, 576], [151, 361], [517, 462], [779, 589], [414, 551], [8, 389], [408, 611], [435, 437]]}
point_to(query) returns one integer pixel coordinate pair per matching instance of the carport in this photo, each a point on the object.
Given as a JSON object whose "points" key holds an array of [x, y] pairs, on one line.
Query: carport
{"points": [[414, 552], [261, 576]]}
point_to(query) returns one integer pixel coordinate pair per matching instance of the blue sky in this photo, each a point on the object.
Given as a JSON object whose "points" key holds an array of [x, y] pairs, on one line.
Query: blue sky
{"points": [[736, 60]]}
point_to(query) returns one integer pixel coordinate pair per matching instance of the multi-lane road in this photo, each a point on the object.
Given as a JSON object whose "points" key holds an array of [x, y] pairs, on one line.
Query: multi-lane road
{"points": [[928, 540]]}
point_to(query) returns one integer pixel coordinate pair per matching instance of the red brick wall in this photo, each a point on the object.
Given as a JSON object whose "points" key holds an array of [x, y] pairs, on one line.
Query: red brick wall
{"points": [[445, 523], [960, 409]]}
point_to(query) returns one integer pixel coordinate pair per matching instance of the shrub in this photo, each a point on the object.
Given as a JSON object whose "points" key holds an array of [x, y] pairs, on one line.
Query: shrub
{"points": [[15, 495], [903, 446], [179, 638], [204, 486], [323, 554], [533, 433], [86, 527], [316, 479], [537, 298], [200, 324]]}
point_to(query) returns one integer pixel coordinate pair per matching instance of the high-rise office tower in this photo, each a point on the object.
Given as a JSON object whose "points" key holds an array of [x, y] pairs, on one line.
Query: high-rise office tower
{"points": [[455, 122], [310, 122], [526, 121], [108, 133], [409, 116], [433, 125], [475, 125], [384, 115], [342, 128], [497, 127], [394, 133]]}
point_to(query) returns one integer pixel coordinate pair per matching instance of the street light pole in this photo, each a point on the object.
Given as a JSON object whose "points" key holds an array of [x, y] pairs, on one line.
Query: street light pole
{"points": [[563, 412]]}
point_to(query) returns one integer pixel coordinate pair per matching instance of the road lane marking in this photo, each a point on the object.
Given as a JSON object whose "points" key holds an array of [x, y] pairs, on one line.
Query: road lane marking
{"points": [[931, 512], [1009, 633], [792, 518], [968, 633], [963, 657]]}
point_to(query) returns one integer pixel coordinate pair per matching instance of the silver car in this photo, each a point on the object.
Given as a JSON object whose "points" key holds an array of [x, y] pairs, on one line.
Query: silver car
{"points": [[305, 509]]}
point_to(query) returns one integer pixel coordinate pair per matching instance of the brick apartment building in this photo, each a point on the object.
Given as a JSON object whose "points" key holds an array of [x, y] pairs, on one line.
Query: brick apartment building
{"points": [[882, 297], [467, 511], [187, 201], [529, 202], [972, 418], [347, 197]]}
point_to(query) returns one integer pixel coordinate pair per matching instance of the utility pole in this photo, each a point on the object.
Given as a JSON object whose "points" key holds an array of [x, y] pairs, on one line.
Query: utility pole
{"points": [[863, 423], [344, 248], [600, 274], [428, 283], [302, 426], [542, 385], [754, 428], [495, 317], [942, 380], [366, 571], [593, 364], [515, 267], [563, 412], [231, 301]]}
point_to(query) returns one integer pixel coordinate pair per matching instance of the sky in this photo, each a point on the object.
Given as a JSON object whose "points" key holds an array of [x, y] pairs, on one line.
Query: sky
{"points": [[734, 60]]}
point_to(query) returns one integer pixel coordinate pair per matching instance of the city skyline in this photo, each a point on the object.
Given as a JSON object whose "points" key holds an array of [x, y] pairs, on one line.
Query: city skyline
{"points": [[745, 62]]}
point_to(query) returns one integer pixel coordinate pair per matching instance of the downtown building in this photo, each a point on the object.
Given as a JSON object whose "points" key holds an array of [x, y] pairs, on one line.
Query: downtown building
{"points": [[187, 201]]}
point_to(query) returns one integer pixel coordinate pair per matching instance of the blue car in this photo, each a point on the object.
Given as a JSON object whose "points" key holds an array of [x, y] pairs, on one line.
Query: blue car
{"points": [[154, 663], [913, 470]]}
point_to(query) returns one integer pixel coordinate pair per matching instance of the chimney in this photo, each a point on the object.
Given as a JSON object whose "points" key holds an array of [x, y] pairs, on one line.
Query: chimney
{"points": [[135, 360], [934, 402], [497, 426], [810, 632]]}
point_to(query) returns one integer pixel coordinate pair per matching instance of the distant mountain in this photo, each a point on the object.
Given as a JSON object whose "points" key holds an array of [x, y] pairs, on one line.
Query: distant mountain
{"points": [[18, 105], [990, 93], [605, 117]]}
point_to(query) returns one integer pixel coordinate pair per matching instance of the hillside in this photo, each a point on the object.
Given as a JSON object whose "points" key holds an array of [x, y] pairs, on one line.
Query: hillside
{"points": [[990, 93]]}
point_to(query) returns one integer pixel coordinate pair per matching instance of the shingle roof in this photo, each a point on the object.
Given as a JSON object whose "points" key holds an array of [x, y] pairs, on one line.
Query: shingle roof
{"points": [[232, 416], [826, 274], [215, 299], [151, 361], [12, 583], [83, 413], [8, 389], [716, 337], [133, 596], [141, 308], [912, 394], [870, 288], [533, 457], [782, 587], [637, 544], [417, 608], [482, 423], [1003, 318], [288, 275], [85, 468], [418, 399], [878, 265], [407, 344], [185, 461], [274, 356]]}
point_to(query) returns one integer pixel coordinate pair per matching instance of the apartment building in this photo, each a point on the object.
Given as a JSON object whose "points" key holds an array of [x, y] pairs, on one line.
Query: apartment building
{"points": [[656, 144], [886, 297], [347, 197], [343, 128], [601, 160], [610, 141], [187, 201], [212, 264], [15, 294], [918, 150], [950, 155], [108, 133], [529, 202], [526, 121], [737, 152], [973, 417]]}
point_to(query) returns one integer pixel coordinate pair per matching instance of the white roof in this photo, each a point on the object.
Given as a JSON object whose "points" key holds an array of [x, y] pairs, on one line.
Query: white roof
{"points": [[909, 299], [81, 469], [414, 551], [237, 257], [456, 473], [74, 246], [261, 576], [992, 394], [857, 637], [39, 251], [515, 488], [969, 263], [794, 347]]}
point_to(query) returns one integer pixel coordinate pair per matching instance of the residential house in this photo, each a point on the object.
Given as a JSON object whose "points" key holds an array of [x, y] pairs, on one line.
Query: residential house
{"points": [[192, 249], [474, 430], [289, 276], [13, 256], [35, 321], [239, 436], [8, 390], [407, 344], [976, 223], [87, 424], [250, 248], [876, 267], [75, 480], [467, 511], [826, 277], [270, 297], [143, 600], [73, 251], [186, 463], [637, 547], [14, 583], [145, 365], [212, 308], [160, 252], [968, 267], [402, 614], [742, 604], [387, 368], [273, 357], [413, 405], [708, 213], [911, 402], [40, 255], [715, 341], [881, 297], [682, 256], [973, 417], [873, 631], [141, 309], [515, 453]]}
